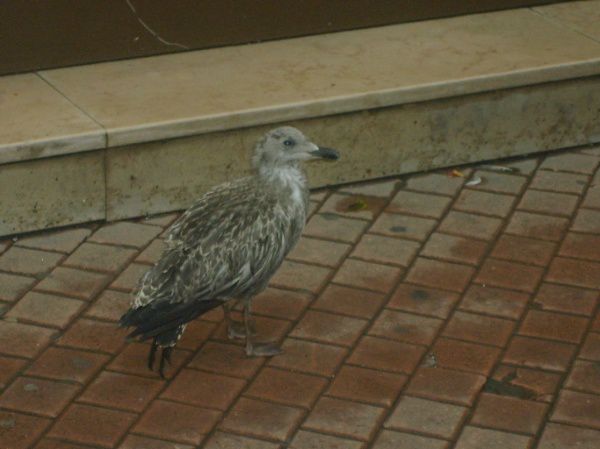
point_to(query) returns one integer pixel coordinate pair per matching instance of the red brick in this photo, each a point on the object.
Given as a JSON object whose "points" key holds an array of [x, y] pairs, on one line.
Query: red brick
{"points": [[110, 305], [584, 376], [42, 397], [48, 443], [225, 359], [366, 385], [138, 442], [126, 233], [311, 440], [9, 367], [427, 417], [389, 439], [320, 252], [134, 360], [561, 298], [334, 227], [23, 340], [177, 422], [581, 246], [61, 241], [196, 333], [94, 336], [386, 355], [67, 364], [308, 357], [569, 161], [353, 206], [494, 301], [91, 256], [370, 276], [576, 408], [436, 274], [387, 250], [535, 353], [28, 261], [349, 301], [162, 220], [44, 309], [463, 356], [587, 220], [511, 275], [121, 391], [423, 204], [559, 182], [476, 438], [286, 387], [404, 226], [592, 197], [500, 182], [222, 440], [554, 326], [559, 436], [533, 384], [262, 419], [19, 431], [405, 327], [344, 418], [75, 283], [575, 272], [204, 389], [522, 249], [92, 425], [13, 286], [300, 276], [440, 184], [454, 249], [152, 253], [442, 384], [484, 203], [538, 226], [591, 347], [510, 414], [329, 328], [129, 279], [268, 329], [279, 303], [548, 202], [422, 300], [478, 328], [470, 225], [382, 189]]}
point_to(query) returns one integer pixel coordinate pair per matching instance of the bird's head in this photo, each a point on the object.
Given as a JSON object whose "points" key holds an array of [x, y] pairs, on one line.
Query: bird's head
{"points": [[287, 146]]}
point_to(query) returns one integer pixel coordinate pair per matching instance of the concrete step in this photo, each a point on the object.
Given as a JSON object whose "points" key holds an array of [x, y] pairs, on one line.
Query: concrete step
{"points": [[129, 138]]}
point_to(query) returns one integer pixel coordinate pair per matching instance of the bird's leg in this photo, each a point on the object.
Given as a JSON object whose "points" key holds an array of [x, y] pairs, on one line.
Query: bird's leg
{"points": [[165, 356], [235, 329], [256, 349], [152, 355]]}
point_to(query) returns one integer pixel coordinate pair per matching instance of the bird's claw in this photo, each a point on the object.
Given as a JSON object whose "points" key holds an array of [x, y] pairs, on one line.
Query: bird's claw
{"points": [[262, 350]]}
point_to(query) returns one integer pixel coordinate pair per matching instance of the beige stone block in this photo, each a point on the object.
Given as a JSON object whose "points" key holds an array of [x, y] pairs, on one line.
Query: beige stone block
{"points": [[581, 16], [169, 175], [51, 192]]}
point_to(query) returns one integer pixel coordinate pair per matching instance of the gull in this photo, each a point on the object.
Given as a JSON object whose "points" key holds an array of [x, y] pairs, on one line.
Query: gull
{"points": [[226, 247]]}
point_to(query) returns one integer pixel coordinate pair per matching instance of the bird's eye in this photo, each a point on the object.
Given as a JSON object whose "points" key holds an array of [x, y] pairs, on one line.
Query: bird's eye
{"points": [[289, 143]]}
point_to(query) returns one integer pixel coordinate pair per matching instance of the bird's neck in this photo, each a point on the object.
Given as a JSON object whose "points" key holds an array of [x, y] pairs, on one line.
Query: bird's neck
{"points": [[286, 178]]}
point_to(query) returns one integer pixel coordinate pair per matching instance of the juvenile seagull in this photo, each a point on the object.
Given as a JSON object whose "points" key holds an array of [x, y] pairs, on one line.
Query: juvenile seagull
{"points": [[227, 246]]}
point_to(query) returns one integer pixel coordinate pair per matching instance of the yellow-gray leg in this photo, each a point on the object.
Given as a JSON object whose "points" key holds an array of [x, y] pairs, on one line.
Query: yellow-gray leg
{"points": [[256, 349], [235, 329]]}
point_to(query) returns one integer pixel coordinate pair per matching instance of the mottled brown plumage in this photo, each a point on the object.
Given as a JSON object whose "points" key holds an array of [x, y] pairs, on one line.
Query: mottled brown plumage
{"points": [[227, 245]]}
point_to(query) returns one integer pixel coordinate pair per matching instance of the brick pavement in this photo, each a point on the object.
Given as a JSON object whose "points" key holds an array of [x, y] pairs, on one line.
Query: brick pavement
{"points": [[416, 312]]}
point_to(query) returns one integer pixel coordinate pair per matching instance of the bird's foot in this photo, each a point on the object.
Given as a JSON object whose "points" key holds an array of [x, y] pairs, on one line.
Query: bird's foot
{"points": [[237, 330], [262, 349]]}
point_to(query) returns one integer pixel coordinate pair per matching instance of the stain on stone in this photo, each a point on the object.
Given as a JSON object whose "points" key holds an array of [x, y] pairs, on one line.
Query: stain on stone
{"points": [[398, 229], [31, 387], [360, 203], [419, 295], [7, 423], [80, 363], [504, 387]]}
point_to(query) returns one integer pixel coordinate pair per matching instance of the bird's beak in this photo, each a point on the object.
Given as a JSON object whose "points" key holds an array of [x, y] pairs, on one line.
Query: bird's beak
{"points": [[325, 153]]}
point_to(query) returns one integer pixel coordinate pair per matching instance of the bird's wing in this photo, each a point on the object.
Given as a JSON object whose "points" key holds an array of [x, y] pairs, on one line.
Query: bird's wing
{"points": [[229, 242]]}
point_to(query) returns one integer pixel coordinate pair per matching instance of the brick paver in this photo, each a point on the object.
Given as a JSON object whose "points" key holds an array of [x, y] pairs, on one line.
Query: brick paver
{"points": [[415, 312]]}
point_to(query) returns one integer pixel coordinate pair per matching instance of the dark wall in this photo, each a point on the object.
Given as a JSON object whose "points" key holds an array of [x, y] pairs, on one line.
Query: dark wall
{"points": [[39, 34]]}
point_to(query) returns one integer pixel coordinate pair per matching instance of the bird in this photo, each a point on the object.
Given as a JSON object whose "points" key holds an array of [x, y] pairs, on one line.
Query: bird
{"points": [[226, 247]]}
